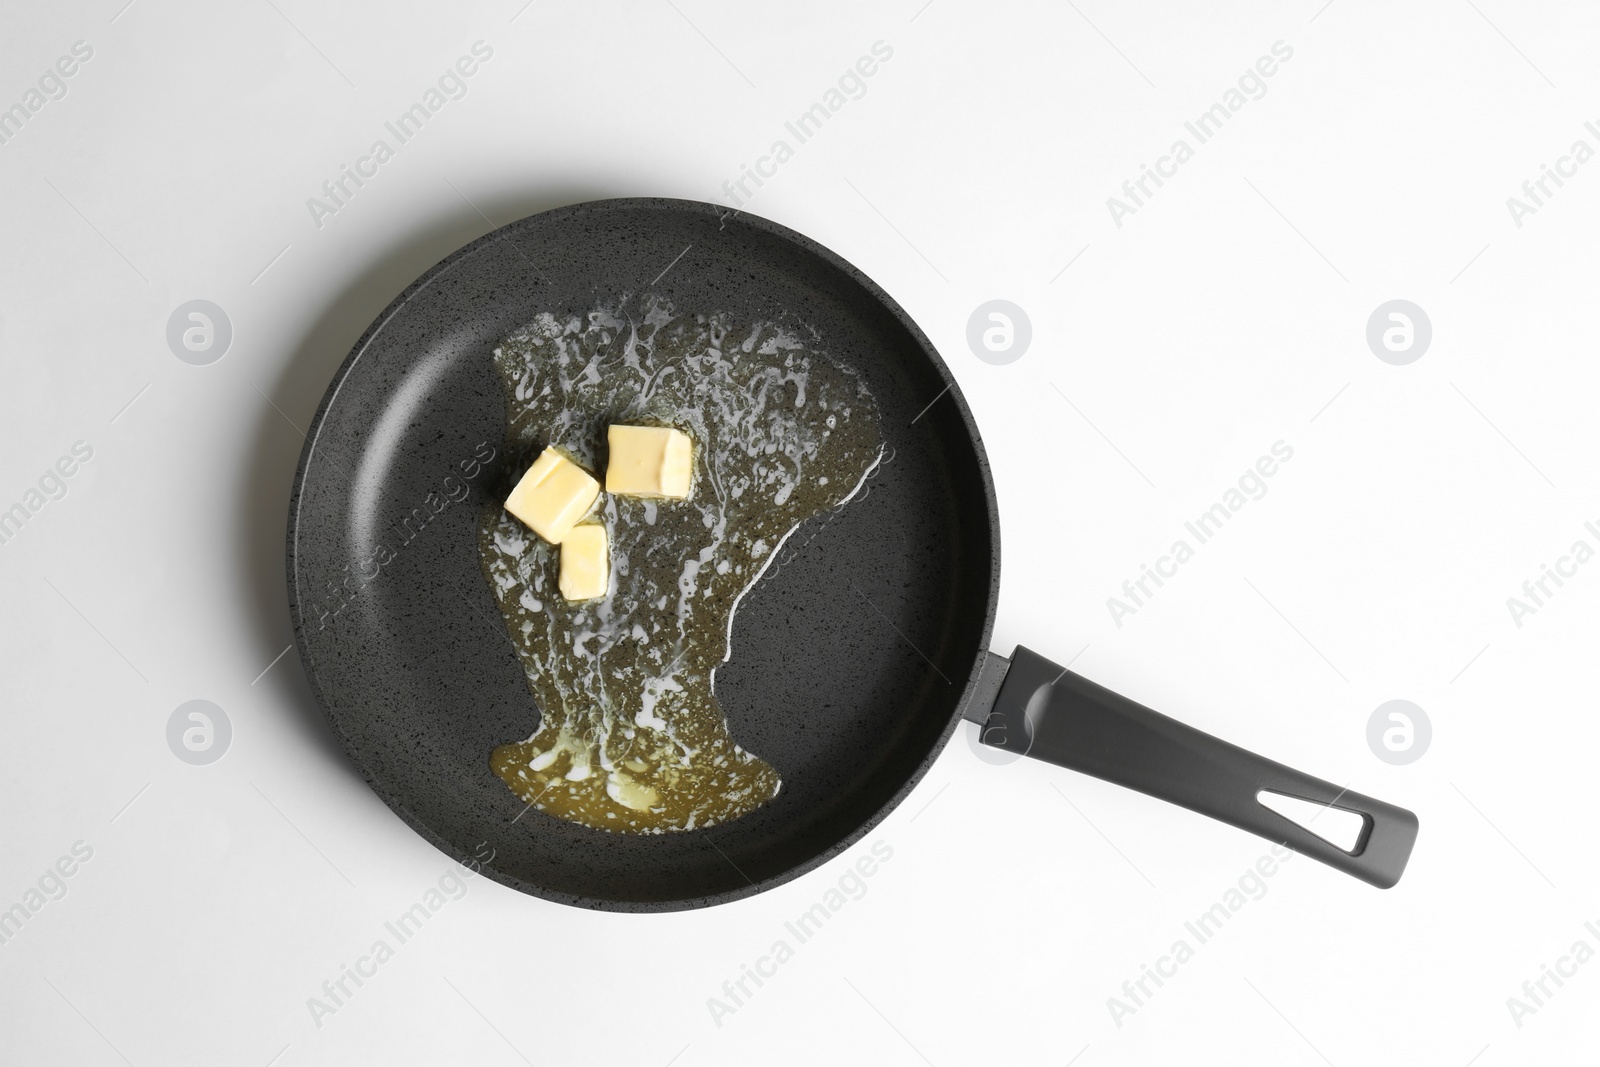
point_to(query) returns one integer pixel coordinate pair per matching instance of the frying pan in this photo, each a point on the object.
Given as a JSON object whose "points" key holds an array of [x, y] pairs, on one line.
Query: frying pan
{"points": [[853, 659]]}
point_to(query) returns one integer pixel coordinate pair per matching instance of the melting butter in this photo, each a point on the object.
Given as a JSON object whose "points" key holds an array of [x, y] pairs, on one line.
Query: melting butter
{"points": [[632, 739]]}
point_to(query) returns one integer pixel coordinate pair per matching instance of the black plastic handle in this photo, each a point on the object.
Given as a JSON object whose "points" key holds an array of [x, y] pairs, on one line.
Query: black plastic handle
{"points": [[1049, 713]]}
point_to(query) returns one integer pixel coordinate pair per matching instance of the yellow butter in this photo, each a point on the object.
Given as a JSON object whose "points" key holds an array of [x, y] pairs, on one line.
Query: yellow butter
{"points": [[553, 496], [649, 461], [585, 562]]}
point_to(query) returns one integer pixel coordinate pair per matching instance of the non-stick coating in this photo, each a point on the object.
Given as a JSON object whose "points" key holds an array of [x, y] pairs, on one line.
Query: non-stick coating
{"points": [[850, 658]]}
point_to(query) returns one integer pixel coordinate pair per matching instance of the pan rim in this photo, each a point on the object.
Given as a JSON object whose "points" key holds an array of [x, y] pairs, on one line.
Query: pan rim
{"points": [[509, 231]]}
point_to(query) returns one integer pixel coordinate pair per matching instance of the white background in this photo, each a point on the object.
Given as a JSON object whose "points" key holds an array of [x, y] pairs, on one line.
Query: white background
{"points": [[1228, 313]]}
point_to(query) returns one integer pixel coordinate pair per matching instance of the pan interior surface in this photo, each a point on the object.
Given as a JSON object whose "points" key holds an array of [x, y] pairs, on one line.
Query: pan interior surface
{"points": [[850, 656]]}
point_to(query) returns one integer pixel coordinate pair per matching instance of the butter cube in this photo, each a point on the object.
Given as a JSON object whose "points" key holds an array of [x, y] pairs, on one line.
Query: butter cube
{"points": [[553, 496], [585, 562], [649, 461]]}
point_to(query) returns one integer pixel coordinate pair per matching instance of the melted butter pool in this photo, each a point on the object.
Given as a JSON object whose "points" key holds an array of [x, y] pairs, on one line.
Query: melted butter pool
{"points": [[632, 739]]}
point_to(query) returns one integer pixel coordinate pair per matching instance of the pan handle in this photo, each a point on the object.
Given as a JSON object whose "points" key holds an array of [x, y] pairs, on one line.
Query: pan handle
{"points": [[1049, 713]]}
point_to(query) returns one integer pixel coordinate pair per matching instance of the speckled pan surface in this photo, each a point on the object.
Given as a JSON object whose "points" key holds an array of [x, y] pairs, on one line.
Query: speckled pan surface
{"points": [[406, 650]]}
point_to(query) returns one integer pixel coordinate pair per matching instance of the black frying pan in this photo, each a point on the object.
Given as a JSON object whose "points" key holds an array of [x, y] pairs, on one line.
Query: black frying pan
{"points": [[853, 660]]}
